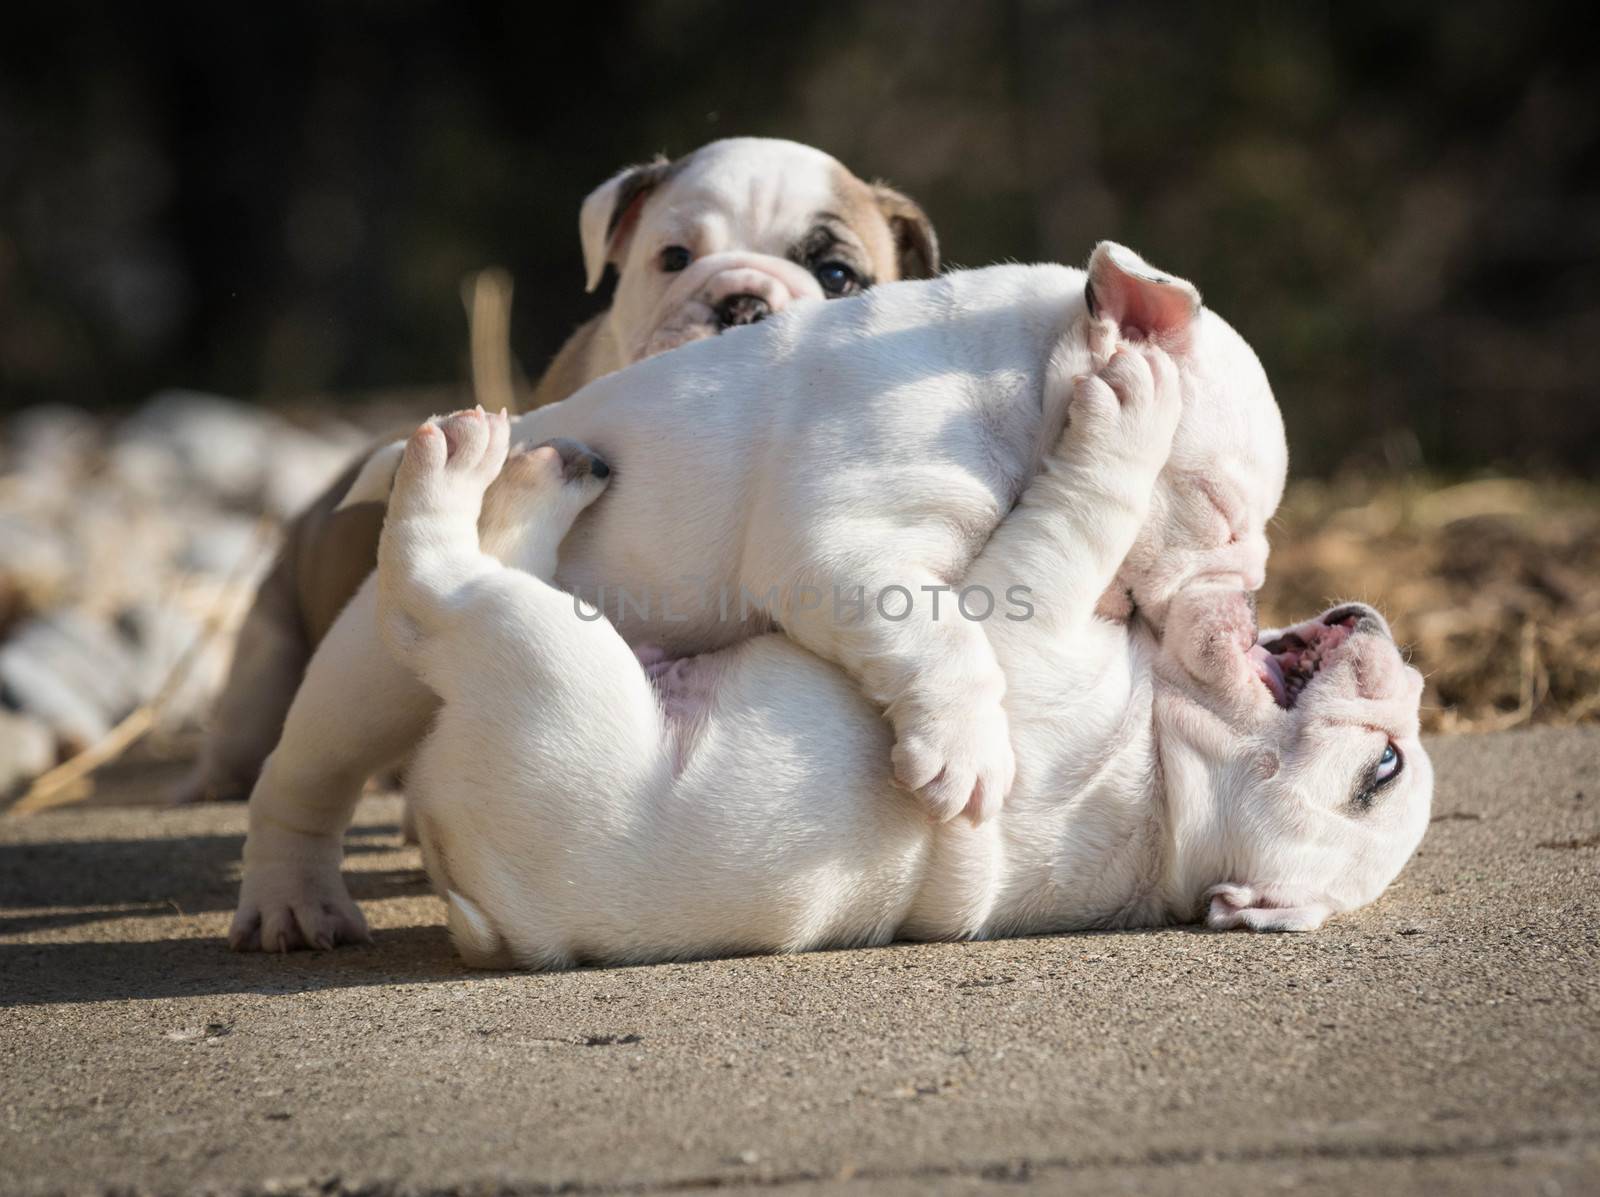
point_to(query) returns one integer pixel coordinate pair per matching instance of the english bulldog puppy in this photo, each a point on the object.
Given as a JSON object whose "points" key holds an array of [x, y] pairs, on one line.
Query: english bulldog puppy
{"points": [[833, 471], [722, 237], [726, 236], [579, 805]]}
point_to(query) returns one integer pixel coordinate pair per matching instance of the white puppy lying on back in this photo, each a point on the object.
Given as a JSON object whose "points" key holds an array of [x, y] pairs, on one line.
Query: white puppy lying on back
{"points": [[573, 812], [864, 447]]}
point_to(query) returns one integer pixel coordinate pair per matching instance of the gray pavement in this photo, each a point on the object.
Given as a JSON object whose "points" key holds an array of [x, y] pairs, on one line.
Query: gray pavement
{"points": [[1446, 1040]]}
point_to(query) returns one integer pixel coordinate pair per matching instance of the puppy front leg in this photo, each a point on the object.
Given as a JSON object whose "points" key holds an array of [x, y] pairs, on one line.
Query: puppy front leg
{"points": [[357, 710], [936, 672], [1062, 545], [935, 675]]}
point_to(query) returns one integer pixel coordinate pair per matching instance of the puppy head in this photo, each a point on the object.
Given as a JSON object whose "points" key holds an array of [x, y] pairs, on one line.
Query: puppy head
{"points": [[1229, 459], [738, 230], [1295, 778]]}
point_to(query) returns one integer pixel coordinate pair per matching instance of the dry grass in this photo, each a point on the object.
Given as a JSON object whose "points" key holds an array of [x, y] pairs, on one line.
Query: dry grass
{"points": [[1493, 586]]}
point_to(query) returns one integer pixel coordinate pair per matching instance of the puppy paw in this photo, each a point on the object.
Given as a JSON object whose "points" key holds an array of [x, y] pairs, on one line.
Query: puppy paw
{"points": [[956, 758], [1127, 412], [531, 506], [284, 907], [545, 482], [448, 464]]}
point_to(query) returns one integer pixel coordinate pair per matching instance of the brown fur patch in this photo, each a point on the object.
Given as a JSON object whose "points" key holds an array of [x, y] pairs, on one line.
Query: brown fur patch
{"points": [[574, 364], [897, 235]]}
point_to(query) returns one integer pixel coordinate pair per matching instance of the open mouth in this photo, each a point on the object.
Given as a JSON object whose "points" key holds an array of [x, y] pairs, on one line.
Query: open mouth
{"points": [[1291, 660]]}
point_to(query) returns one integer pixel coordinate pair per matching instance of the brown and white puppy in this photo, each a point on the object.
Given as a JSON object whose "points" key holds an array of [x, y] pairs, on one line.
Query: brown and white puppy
{"points": [[724, 236], [729, 235]]}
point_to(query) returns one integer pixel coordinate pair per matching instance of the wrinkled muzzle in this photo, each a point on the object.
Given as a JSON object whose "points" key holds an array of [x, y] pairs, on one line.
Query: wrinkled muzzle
{"points": [[1157, 579], [1210, 630], [722, 291]]}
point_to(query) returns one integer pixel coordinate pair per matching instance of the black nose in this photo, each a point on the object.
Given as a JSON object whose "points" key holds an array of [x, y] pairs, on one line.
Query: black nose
{"points": [[1358, 617], [742, 309]]}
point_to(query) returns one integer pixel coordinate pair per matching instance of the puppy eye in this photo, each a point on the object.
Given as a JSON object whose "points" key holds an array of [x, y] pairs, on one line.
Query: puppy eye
{"points": [[674, 258], [838, 279], [1389, 764], [1386, 770]]}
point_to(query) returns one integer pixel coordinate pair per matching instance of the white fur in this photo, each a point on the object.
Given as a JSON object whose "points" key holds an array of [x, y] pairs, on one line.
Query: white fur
{"points": [[567, 818], [875, 441]]}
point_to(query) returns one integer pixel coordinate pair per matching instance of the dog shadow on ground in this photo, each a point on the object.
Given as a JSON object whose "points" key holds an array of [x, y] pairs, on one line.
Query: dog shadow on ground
{"points": [[63, 884], [48, 974]]}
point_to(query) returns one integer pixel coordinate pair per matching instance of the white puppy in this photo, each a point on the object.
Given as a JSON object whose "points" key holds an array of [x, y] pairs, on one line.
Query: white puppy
{"points": [[572, 811], [819, 472]]}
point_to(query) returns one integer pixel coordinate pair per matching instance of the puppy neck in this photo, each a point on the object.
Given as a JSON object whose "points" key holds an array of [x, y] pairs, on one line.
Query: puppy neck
{"points": [[1202, 759]]}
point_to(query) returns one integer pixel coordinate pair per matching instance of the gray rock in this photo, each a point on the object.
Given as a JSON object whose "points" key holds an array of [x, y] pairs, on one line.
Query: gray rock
{"points": [[159, 637], [35, 566], [247, 458], [123, 546], [185, 439], [301, 464], [52, 439], [115, 550], [216, 545], [27, 749], [72, 672]]}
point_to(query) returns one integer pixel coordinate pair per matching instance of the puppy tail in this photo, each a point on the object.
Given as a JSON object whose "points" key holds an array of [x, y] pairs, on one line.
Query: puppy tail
{"points": [[475, 937]]}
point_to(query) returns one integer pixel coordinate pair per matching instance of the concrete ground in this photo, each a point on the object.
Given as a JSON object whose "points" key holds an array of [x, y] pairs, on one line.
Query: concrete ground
{"points": [[1446, 1040]]}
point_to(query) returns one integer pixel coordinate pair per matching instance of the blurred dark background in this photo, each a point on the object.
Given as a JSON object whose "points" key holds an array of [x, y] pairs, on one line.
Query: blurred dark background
{"points": [[1397, 203]]}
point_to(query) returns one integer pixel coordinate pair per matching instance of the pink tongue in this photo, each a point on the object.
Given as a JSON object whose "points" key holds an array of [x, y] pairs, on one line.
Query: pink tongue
{"points": [[1270, 672]]}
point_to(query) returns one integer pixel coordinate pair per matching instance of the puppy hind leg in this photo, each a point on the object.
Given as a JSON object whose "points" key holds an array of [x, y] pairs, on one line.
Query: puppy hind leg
{"points": [[514, 642], [529, 509], [477, 939], [429, 548], [490, 639]]}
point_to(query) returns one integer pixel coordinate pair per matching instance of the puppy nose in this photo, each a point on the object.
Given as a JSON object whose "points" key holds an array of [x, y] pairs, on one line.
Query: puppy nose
{"points": [[1380, 673], [1359, 617], [742, 309]]}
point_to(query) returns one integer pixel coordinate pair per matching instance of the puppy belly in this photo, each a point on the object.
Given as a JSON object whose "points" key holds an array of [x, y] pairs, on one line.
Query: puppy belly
{"points": [[686, 688], [756, 841]]}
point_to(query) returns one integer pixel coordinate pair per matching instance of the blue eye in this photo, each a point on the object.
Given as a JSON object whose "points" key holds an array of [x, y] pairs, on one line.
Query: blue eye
{"points": [[1389, 764], [837, 278]]}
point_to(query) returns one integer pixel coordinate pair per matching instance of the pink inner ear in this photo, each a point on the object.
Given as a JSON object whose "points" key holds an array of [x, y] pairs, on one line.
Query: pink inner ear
{"points": [[1156, 310], [1138, 297]]}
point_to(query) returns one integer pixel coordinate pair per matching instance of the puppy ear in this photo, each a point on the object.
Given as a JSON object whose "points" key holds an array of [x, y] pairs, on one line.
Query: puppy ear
{"points": [[1230, 906], [610, 214], [1123, 287], [916, 244]]}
